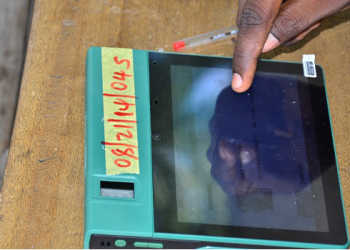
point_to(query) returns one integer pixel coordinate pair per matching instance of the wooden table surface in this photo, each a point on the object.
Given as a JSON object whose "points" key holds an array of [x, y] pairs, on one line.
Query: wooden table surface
{"points": [[42, 202]]}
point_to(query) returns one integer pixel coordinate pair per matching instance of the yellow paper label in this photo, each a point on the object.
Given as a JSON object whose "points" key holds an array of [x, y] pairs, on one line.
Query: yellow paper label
{"points": [[119, 107]]}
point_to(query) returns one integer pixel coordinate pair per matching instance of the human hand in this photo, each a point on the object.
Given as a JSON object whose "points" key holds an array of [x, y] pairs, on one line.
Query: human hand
{"points": [[266, 24]]}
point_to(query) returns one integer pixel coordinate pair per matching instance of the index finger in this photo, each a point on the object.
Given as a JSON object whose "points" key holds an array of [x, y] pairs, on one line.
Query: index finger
{"points": [[254, 26]]}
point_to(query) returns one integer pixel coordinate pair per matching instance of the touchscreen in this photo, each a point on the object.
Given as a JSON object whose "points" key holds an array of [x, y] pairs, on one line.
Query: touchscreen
{"points": [[240, 159]]}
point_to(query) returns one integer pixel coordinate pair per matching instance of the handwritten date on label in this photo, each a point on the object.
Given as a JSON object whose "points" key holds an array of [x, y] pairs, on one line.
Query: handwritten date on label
{"points": [[119, 103]]}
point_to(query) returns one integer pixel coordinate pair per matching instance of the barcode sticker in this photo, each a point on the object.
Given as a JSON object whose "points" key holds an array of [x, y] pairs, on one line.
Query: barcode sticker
{"points": [[309, 66]]}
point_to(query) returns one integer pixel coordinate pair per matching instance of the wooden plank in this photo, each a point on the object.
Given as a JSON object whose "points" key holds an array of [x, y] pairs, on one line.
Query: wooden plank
{"points": [[13, 18], [42, 201]]}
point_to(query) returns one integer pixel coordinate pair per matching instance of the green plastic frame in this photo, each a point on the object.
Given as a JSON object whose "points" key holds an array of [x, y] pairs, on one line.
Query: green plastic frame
{"points": [[133, 217]]}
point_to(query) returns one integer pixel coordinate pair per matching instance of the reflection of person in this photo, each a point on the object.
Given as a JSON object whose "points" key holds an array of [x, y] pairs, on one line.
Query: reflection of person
{"points": [[255, 146], [266, 24]]}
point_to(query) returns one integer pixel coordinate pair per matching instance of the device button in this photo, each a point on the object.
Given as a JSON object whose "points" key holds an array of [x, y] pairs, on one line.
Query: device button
{"points": [[120, 243], [155, 245], [140, 244]]}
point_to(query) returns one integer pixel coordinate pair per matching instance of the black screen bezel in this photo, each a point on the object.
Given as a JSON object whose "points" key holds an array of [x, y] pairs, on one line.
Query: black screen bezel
{"points": [[162, 124]]}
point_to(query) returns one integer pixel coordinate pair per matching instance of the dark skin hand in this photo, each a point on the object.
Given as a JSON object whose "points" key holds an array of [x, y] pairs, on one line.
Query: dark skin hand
{"points": [[265, 24]]}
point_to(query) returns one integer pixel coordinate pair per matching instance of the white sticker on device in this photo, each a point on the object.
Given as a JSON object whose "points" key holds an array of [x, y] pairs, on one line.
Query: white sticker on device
{"points": [[309, 66]]}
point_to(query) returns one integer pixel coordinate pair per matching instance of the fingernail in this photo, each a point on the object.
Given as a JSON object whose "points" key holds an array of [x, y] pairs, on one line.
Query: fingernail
{"points": [[236, 81], [270, 43]]}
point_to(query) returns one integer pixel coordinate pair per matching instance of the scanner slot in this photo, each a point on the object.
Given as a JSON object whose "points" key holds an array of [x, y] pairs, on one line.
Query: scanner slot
{"points": [[117, 189]]}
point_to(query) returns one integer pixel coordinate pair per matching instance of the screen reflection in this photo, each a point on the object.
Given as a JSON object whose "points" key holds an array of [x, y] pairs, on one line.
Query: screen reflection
{"points": [[240, 159]]}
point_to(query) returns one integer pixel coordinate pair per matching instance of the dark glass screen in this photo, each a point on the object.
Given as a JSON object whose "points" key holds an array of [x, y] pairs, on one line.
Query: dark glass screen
{"points": [[240, 159], [259, 164]]}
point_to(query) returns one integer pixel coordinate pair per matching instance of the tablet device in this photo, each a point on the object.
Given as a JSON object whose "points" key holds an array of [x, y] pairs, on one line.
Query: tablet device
{"points": [[176, 159]]}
